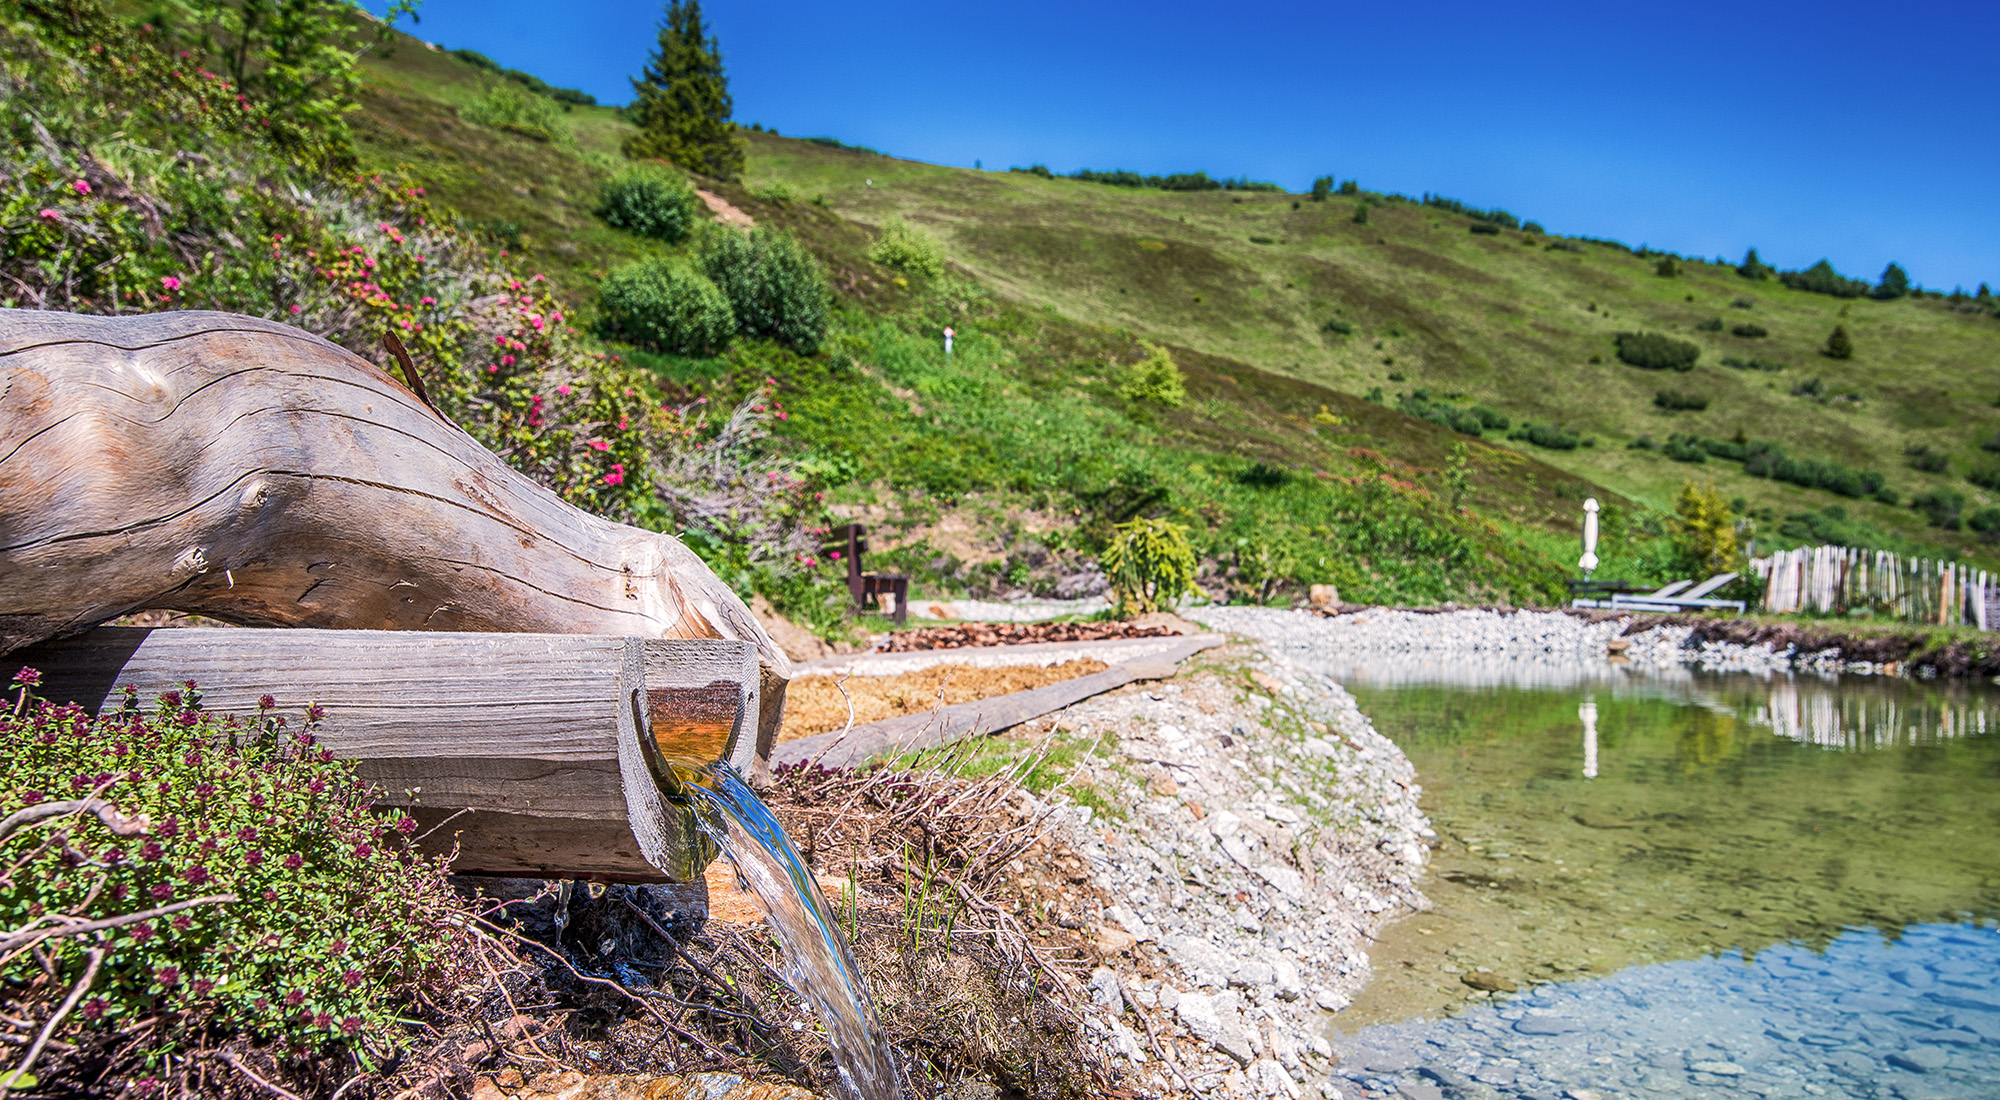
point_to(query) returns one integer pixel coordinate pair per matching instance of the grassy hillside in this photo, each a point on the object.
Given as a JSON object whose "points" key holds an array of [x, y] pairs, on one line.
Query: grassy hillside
{"points": [[1522, 322], [1003, 467], [1056, 282]]}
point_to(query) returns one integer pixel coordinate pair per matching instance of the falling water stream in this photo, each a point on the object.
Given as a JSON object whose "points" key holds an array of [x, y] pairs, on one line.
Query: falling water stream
{"points": [[818, 963]]}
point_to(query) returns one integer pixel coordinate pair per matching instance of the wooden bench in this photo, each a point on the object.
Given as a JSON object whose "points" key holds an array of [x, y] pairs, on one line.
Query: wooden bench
{"points": [[849, 543]]}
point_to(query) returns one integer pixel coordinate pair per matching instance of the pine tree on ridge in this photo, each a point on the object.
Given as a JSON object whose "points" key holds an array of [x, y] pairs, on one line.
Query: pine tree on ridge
{"points": [[681, 102]]}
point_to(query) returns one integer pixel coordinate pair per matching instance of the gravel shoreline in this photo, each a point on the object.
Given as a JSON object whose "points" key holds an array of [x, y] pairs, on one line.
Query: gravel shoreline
{"points": [[1268, 832], [1542, 638]]}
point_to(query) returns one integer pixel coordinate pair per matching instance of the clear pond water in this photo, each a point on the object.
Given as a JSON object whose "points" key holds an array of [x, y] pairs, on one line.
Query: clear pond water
{"points": [[1685, 884]]}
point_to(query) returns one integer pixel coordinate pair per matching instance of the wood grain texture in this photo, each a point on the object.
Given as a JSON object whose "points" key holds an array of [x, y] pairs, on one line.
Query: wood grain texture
{"points": [[547, 739], [251, 472], [945, 725]]}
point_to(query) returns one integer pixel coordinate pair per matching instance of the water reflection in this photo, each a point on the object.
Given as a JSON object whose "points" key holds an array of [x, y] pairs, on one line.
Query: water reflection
{"points": [[1594, 818]]}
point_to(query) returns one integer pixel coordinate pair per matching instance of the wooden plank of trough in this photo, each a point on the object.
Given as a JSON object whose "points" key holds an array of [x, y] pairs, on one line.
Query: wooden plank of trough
{"points": [[947, 724], [531, 744]]}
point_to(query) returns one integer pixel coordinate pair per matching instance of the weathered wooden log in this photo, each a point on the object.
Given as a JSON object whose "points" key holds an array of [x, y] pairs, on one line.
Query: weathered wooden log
{"points": [[260, 475], [539, 754]]}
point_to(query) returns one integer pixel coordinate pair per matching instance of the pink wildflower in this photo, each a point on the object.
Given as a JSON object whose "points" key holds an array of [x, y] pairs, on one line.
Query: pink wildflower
{"points": [[598, 445], [564, 389], [298, 309], [49, 214], [82, 187], [428, 300], [617, 474], [171, 282]]}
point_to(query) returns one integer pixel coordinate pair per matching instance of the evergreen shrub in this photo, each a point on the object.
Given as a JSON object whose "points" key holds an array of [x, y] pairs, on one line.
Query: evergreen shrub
{"points": [[1551, 436], [902, 245], [1986, 522], [1749, 332], [1654, 351], [1921, 456], [650, 202], [1941, 508], [1821, 278], [1713, 324], [1149, 564], [666, 306], [1155, 379], [1838, 344], [1676, 400], [774, 286]]}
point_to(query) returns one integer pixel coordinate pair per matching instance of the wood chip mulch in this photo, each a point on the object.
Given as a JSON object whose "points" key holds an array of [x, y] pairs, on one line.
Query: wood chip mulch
{"points": [[972, 635]]}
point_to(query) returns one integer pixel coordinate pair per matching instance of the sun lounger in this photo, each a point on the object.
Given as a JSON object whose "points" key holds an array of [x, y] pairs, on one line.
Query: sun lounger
{"points": [[1672, 598], [1617, 590]]}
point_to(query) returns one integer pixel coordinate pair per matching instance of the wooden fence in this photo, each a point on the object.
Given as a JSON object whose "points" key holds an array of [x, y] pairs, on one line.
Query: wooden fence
{"points": [[1839, 578]]}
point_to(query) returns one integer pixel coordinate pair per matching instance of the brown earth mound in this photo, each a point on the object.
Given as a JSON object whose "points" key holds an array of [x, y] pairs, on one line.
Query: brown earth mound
{"points": [[988, 634], [813, 704]]}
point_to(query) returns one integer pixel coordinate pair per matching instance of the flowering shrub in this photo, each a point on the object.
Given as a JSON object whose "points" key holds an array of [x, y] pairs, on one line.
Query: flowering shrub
{"points": [[281, 905], [667, 306], [651, 202]]}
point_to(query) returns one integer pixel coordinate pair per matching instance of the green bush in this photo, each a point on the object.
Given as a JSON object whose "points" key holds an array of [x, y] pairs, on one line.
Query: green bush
{"points": [[518, 111], [1491, 418], [306, 918], [1149, 565], [1468, 421], [774, 286], [1677, 400], [1668, 268], [650, 202], [1361, 213], [1940, 507], [1754, 268], [1986, 478], [1485, 229], [1683, 448], [664, 305], [905, 246], [1838, 344], [1921, 456], [1653, 351], [1821, 278], [1713, 324], [1986, 522], [1322, 187], [1156, 379], [1748, 332], [1551, 436], [1752, 364], [1895, 283], [1337, 327]]}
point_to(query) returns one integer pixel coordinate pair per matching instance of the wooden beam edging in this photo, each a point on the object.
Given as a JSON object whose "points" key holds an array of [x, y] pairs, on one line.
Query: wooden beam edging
{"points": [[552, 755], [960, 720]]}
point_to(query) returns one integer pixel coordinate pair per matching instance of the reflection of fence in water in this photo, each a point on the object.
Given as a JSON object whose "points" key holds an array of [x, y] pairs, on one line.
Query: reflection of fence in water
{"points": [[1816, 714]]}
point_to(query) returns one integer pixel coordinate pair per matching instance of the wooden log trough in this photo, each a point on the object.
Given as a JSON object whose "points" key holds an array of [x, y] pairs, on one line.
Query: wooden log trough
{"points": [[482, 648]]}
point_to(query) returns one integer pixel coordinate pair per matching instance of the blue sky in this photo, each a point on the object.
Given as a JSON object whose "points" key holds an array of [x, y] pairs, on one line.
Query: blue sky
{"points": [[1861, 133]]}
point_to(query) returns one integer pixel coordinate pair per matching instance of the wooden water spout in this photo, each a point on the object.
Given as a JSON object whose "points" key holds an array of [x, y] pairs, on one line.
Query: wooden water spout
{"points": [[256, 474]]}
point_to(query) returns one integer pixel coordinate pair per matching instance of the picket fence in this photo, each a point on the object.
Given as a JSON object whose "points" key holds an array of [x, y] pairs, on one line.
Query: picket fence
{"points": [[1840, 578]]}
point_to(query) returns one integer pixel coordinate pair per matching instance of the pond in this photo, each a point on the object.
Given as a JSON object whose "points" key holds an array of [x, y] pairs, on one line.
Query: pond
{"points": [[1688, 884]]}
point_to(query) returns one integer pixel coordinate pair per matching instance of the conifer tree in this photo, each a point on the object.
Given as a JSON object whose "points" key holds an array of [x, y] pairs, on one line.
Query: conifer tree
{"points": [[1754, 268], [681, 102], [1895, 283], [1839, 345]]}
